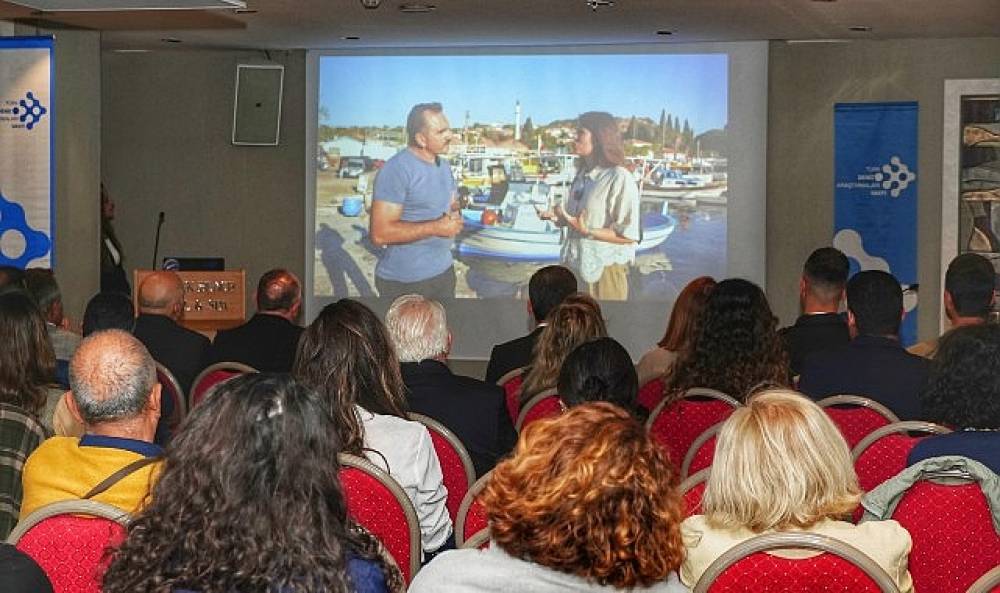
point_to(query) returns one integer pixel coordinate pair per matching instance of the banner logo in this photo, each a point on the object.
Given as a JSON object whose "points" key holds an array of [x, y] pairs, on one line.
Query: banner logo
{"points": [[24, 113], [895, 176]]}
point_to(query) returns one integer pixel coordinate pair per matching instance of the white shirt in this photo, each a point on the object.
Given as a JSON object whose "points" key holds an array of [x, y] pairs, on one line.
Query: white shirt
{"points": [[409, 451]]}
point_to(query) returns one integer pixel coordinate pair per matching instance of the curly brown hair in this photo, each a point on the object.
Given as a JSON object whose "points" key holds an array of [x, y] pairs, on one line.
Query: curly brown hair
{"points": [[576, 320], [249, 499], [736, 346], [590, 494]]}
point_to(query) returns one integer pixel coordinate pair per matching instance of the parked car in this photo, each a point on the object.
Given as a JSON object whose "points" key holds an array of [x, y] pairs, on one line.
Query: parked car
{"points": [[352, 166]]}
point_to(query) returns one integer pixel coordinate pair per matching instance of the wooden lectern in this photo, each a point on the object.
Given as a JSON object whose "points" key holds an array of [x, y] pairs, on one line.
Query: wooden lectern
{"points": [[212, 300]]}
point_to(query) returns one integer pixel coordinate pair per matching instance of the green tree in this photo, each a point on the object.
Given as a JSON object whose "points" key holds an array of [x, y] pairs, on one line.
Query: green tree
{"points": [[528, 132]]}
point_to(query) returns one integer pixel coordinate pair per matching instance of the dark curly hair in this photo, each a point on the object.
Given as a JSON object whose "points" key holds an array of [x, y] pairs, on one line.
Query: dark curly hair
{"points": [[736, 346], [249, 499], [963, 389], [599, 370]]}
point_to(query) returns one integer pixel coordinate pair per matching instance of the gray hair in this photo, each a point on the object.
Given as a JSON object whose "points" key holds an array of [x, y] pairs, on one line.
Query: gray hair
{"points": [[417, 327], [111, 376]]}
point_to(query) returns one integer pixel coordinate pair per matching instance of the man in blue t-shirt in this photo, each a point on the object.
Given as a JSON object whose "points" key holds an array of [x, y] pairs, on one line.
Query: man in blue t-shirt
{"points": [[414, 213]]}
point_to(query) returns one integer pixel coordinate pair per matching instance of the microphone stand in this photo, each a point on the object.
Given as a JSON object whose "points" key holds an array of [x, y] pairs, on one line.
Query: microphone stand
{"points": [[156, 244]]}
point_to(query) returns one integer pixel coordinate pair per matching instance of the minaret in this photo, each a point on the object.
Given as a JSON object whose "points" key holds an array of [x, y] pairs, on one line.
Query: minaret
{"points": [[517, 121]]}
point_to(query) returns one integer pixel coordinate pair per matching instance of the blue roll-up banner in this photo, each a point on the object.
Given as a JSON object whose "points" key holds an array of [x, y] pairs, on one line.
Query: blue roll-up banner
{"points": [[27, 172], [875, 193]]}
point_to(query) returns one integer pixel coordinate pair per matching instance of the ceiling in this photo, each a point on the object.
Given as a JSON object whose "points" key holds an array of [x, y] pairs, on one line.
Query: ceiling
{"points": [[323, 24]]}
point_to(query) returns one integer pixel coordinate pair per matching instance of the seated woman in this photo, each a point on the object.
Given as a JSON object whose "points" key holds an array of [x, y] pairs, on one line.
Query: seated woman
{"points": [[599, 370], [250, 500], [588, 502], [576, 320], [782, 465], [963, 391], [658, 361], [27, 361], [736, 346], [347, 357]]}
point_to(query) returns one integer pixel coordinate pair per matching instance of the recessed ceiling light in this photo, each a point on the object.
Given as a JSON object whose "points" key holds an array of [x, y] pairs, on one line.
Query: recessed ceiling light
{"points": [[860, 28], [246, 11], [131, 51], [416, 7], [170, 40], [664, 32], [350, 38], [595, 4]]}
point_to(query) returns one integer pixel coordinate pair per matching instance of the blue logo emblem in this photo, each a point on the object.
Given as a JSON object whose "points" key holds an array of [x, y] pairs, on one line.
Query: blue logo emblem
{"points": [[12, 220], [30, 110]]}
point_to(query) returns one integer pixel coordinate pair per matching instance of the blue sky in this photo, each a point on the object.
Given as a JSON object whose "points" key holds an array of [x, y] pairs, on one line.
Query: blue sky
{"points": [[379, 90]]}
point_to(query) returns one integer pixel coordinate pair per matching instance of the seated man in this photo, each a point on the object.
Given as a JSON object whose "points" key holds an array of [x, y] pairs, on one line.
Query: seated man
{"points": [[821, 289], [42, 287], [114, 394], [473, 410], [268, 341], [873, 364]]}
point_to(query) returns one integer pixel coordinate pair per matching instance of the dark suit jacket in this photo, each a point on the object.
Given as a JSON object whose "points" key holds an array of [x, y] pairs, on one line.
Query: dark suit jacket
{"points": [[470, 408], [877, 368], [812, 333], [179, 349], [266, 342], [510, 355]]}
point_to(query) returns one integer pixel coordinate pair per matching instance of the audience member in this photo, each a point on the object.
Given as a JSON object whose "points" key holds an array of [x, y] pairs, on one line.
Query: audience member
{"points": [[963, 391], [546, 289], [27, 363], [20, 574], [20, 434], [874, 363], [108, 310], [588, 502], [570, 324], [115, 396], [821, 288], [43, 288], [267, 342], [113, 277], [968, 296], [346, 356], [781, 465], [182, 351], [599, 370], [472, 409], [736, 347], [680, 330], [249, 499]]}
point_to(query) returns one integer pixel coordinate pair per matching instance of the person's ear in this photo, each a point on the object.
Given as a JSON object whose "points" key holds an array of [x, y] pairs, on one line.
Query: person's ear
{"points": [[153, 406], [447, 350], [74, 410], [949, 304], [531, 310], [421, 139]]}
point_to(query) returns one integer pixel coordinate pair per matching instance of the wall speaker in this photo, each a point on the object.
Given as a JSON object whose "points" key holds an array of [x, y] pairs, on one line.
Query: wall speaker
{"points": [[257, 108]]}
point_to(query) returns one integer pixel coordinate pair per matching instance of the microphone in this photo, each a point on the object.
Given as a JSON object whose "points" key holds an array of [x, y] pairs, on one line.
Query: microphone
{"points": [[156, 244]]}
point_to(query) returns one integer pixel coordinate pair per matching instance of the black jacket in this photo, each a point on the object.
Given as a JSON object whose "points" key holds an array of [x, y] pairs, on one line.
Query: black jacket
{"points": [[265, 342], [812, 333], [510, 355]]}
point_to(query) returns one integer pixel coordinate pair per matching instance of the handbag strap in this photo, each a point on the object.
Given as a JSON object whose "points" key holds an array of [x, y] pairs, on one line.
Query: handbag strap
{"points": [[119, 475]]}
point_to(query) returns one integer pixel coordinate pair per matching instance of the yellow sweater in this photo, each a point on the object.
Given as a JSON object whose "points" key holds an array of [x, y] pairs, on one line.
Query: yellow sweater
{"points": [[63, 469]]}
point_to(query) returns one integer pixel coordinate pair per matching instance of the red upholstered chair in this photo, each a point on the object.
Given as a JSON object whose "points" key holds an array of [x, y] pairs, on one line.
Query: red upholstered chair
{"points": [[171, 389], [376, 502], [511, 383], [692, 490], [882, 454], [651, 394], [675, 425], [544, 405], [701, 453], [954, 541], [456, 465], [988, 583], [748, 568], [68, 540], [856, 416], [213, 375], [471, 515]]}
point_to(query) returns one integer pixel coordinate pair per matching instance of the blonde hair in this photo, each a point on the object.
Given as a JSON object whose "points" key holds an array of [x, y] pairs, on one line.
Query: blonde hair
{"points": [[418, 328], [780, 463]]}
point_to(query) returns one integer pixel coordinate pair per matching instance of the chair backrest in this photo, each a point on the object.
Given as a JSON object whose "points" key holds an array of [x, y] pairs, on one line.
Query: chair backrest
{"points": [[213, 375], [856, 416], [544, 405], [471, 514], [172, 401], [692, 490], [511, 383], [882, 454], [954, 541], [988, 583], [480, 540], [651, 394], [68, 540], [376, 502], [701, 452], [676, 424], [841, 568], [20, 435], [456, 464]]}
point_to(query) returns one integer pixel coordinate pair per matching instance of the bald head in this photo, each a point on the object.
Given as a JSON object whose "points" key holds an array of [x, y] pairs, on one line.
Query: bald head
{"points": [[279, 292], [162, 293], [111, 377]]}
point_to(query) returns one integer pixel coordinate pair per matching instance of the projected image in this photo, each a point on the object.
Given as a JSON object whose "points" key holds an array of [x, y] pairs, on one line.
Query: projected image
{"points": [[614, 165]]}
